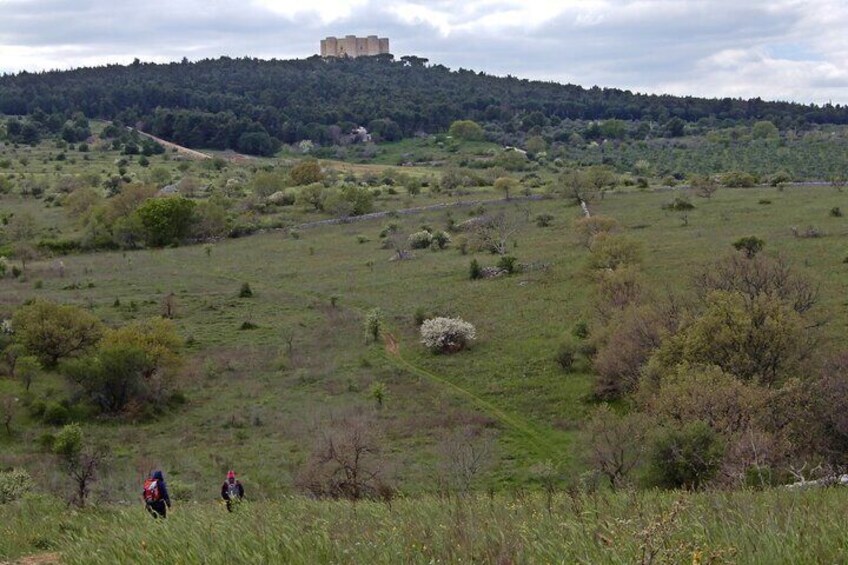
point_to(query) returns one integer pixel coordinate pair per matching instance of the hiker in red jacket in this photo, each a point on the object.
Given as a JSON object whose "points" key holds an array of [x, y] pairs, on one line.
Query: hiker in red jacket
{"points": [[155, 495], [231, 490]]}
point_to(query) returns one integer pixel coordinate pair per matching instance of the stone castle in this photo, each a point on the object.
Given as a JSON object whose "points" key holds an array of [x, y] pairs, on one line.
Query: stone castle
{"points": [[352, 46]]}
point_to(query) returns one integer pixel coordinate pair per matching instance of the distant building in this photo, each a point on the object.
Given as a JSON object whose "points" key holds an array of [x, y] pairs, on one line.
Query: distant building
{"points": [[352, 46]]}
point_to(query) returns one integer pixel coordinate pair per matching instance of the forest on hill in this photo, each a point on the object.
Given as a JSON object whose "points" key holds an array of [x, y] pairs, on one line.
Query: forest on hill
{"points": [[253, 106]]}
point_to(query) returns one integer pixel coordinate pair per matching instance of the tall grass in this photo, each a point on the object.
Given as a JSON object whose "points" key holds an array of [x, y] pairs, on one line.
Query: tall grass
{"points": [[771, 527]]}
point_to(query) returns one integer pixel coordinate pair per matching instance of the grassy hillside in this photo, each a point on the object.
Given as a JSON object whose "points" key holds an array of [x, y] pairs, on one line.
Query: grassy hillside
{"points": [[249, 395]]}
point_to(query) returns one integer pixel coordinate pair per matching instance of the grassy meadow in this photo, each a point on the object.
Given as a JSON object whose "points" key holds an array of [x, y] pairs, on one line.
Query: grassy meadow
{"points": [[773, 527], [264, 374], [261, 391]]}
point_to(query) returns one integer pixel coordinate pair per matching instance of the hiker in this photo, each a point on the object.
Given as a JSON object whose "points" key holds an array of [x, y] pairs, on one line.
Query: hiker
{"points": [[155, 495], [231, 490]]}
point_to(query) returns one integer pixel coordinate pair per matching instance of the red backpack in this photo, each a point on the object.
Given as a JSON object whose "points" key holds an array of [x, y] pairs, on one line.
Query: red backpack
{"points": [[151, 491]]}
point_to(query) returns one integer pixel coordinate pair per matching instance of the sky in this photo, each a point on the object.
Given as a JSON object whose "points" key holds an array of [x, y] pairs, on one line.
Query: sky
{"points": [[776, 49]]}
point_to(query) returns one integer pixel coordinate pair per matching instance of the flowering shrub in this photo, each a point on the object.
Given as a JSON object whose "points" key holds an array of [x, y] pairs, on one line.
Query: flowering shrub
{"points": [[447, 335], [420, 240], [14, 484]]}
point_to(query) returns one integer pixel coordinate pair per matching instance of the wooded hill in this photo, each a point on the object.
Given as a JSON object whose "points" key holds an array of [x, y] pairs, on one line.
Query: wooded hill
{"points": [[253, 105]]}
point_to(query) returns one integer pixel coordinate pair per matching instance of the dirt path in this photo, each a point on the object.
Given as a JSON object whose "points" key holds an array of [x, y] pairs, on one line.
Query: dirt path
{"points": [[392, 346], [168, 145], [539, 441]]}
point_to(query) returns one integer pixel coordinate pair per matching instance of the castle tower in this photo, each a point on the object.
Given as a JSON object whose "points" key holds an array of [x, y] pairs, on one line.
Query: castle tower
{"points": [[352, 46]]}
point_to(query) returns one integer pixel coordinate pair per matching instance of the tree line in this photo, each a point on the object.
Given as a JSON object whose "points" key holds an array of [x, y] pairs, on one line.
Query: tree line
{"points": [[252, 105]]}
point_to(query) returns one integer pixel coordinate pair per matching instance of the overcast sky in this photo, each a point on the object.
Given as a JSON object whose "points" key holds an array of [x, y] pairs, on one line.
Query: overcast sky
{"points": [[776, 49]]}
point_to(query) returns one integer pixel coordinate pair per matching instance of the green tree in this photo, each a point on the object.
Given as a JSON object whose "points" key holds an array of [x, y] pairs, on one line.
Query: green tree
{"points": [[53, 332], [685, 457], [762, 340], [166, 220], [80, 460], [506, 185], [466, 130], [764, 130], [306, 172], [750, 245]]}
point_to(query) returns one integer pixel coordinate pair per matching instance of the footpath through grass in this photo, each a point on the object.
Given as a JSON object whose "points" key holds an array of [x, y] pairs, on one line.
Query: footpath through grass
{"points": [[773, 527]]}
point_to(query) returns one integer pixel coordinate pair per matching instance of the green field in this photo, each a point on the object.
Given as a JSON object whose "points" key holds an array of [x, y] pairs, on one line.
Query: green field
{"points": [[316, 288], [774, 527], [263, 376]]}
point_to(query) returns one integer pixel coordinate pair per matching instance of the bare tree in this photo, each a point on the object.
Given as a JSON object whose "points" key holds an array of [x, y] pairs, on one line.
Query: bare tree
{"points": [[8, 408], [758, 276], [464, 454], [616, 443], [169, 306], [346, 462], [495, 231], [705, 186]]}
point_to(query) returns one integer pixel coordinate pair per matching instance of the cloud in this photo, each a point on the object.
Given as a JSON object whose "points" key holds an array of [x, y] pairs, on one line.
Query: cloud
{"points": [[778, 49]]}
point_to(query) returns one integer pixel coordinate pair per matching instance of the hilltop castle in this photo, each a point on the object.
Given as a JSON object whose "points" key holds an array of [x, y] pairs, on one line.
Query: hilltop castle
{"points": [[352, 46]]}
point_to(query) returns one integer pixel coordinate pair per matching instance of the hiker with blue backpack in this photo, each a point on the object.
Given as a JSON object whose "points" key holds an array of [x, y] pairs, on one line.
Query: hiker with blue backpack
{"points": [[155, 495], [231, 491]]}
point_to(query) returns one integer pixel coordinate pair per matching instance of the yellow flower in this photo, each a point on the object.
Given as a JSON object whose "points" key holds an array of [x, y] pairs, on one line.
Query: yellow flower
{"points": [[696, 557]]}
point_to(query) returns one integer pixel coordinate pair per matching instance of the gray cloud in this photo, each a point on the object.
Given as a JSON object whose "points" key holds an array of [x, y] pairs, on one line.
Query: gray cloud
{"points": [[779, 49]]}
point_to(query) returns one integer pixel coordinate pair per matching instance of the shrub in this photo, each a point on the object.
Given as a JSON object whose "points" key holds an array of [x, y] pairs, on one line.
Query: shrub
{"points": [[580, 329], [14, 484], [474, 270], [565, 356], [679, 204], [508, 264], [687, 457], [306, 172], [373, 324], [440, 240], [467, 130], [420, 240], [544, 220], [738, 179], [589, 228], [836, 212], [56, 415], [245, 291], [750, 245], [613, 252], [447, 335], [166, 220]]}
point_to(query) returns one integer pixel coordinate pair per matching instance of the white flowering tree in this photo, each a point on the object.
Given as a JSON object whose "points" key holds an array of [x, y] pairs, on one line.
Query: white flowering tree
{"points": [[447, 335]]}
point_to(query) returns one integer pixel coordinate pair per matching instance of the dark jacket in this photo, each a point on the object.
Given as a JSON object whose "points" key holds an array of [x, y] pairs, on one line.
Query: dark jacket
{"points": [[163, 488], [225, 490]]}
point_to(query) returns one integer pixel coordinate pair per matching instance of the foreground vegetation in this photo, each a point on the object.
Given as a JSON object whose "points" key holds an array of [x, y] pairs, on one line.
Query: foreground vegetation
{"points": [[771, 527]]}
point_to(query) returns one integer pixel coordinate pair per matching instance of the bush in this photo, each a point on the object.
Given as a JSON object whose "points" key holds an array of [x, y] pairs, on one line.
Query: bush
{"points": [[440, 240], [447, 335], [56, 415], [750, 245], [166, 220], [508, 264], [687, 457], [738, 179], [14, 484], [245, 291], [474, 270], [544, 220], [373, 324], [565, 356], [836, 212], [679, 204], [420, 240]]}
